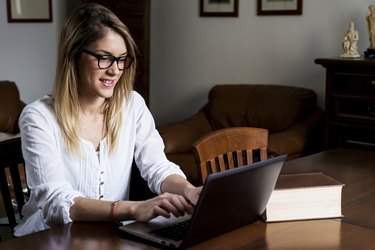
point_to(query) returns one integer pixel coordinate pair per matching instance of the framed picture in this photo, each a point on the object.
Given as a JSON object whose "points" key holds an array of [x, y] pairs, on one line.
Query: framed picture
{"points": [[29, 11], [279, 7], [223, 8]]}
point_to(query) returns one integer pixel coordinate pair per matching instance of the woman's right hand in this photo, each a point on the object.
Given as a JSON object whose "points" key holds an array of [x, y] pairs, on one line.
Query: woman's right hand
{"points": [[164, 205]]}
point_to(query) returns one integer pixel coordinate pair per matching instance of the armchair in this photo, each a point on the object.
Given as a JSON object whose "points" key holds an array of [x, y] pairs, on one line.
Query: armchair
{"points": [[290, 114]]}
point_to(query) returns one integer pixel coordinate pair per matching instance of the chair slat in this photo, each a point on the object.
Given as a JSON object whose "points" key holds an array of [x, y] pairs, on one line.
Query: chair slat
{"points": [[17, 186], [11, 182], [263, 154], [7, 199], [249, 156], [212, 164], [221, 162], [230, 160], [204, 171], [240, 161]]}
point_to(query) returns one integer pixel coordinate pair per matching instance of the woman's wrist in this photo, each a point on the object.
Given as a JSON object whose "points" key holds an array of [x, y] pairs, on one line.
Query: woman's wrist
{"points": [[123, 210], [188, 191]]}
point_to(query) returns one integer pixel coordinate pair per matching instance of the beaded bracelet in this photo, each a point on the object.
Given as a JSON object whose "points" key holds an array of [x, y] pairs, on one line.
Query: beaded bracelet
{"points": [[113, 208]]}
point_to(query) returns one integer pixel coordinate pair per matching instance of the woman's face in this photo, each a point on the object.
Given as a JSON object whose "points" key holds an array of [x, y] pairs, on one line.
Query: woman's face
{"points": [[95, 83]]}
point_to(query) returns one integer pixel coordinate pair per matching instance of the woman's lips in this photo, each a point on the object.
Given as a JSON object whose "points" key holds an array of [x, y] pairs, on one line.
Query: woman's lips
{"points": [[108, 83]]}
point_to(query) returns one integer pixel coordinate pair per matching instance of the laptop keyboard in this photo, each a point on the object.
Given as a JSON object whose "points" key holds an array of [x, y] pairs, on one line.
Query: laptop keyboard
{"points": [[175, 232]]}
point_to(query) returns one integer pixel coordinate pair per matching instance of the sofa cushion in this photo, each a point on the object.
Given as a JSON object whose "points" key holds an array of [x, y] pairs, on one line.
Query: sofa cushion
{"points": [[11, 107], [258, 106]]}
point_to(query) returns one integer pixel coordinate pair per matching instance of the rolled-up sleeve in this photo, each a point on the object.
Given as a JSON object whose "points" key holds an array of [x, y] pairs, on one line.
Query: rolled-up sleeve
{"points": [[51, 194], [149, 151]]}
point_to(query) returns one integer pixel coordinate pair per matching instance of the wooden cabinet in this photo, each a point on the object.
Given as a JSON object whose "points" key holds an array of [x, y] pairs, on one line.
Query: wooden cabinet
{"points": [[135, 14], [349, 102]]}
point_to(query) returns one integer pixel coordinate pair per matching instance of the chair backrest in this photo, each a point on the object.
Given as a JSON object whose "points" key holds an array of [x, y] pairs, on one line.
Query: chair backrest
{"points": [[230, 147], [11, 106], [12, 180]]}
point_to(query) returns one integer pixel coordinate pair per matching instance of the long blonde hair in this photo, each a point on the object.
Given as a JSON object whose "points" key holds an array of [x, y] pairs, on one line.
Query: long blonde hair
{"points": [[86, 25]]}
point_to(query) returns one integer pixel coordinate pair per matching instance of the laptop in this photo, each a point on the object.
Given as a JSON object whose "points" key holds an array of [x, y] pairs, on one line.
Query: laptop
{"points": [[229, 199]]}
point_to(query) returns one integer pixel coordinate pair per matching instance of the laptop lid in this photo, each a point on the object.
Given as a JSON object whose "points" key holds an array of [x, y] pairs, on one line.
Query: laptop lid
{"points": [[230, 199]]}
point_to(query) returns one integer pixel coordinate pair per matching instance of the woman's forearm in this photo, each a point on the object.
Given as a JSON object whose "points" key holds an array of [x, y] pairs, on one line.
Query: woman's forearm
{"points": [[85, 209]]}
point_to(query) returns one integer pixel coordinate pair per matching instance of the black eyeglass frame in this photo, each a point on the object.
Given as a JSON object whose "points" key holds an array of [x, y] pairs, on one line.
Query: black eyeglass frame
{"points": [[114, 59]]}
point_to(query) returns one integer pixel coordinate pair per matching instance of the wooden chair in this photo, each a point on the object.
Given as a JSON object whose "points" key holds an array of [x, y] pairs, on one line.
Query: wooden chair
{"points": [[12, 180], [230, 147]]}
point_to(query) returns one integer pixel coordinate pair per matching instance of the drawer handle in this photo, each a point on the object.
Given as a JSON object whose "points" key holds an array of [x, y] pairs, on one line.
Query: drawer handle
{"points": [[371, 110]]}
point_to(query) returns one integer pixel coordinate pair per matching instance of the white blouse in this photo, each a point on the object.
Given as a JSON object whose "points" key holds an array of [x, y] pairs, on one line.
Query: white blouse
{"points": [[55, 177]]}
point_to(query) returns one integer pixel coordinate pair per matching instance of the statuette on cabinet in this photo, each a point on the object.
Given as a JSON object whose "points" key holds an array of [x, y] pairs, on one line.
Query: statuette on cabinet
{"points": [[349, 43]]}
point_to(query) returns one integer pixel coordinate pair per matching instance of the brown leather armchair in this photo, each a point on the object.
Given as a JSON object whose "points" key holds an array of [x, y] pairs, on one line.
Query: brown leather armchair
{"points": [[290, 115], [10, 107]]}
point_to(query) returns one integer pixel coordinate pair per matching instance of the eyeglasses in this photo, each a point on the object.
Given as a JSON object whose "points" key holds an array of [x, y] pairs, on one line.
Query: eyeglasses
{"points": [[106, 61]]}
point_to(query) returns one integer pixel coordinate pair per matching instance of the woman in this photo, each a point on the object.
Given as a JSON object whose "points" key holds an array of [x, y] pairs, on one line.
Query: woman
{"points": [[80, 142]]}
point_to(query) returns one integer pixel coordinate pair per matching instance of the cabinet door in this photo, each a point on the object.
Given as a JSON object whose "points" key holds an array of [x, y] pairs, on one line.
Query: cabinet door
{"points": [[135, 14]]}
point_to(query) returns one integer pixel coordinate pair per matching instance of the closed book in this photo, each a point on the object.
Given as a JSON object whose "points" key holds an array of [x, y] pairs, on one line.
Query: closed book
{"points": [[303, 197]]}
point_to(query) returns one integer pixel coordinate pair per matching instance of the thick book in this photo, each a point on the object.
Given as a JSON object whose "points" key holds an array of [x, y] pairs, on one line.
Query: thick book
{"points": [[303, 197]]}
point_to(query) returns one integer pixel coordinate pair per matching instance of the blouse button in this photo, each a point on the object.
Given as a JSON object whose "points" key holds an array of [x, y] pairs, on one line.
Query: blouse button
{"points": [[101, 183], [101, 196]]}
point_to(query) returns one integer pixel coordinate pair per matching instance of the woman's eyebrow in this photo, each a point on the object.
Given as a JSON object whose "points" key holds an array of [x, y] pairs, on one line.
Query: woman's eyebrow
{"points": [[109, 53]]}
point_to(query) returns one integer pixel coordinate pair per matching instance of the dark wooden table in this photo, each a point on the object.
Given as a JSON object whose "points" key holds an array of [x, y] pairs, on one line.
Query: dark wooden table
{"points": [[356, 230]]}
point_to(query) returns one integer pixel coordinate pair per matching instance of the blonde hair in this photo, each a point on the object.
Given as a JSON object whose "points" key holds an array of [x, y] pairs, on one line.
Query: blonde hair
{"points": [[85, 26]]}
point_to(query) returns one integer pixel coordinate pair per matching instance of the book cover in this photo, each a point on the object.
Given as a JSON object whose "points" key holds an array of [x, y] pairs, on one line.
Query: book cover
{"points": [[304, 196]]}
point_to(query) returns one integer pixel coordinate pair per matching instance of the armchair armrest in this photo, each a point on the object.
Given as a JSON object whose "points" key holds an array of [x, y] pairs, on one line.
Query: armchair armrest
{"points": [[305, 136], [179, 137]]}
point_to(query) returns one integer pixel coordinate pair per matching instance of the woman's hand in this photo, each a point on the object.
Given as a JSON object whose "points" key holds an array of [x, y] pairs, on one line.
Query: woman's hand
{"points": [[164, 205], [181, 202]]}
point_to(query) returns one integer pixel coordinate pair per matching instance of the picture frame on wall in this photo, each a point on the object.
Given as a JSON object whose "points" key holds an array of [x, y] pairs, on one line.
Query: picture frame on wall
{"points": [[29, 11], [279, 7], [219, 8]]}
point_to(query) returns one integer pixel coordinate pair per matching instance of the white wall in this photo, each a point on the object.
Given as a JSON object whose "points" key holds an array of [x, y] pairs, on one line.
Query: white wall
{"points": [[28, 51], [190, 54]]}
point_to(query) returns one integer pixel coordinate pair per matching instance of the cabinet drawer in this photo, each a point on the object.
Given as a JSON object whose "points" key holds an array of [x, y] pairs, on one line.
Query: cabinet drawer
{"points": [[353, 83], [354, 109], [348, 135]]}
